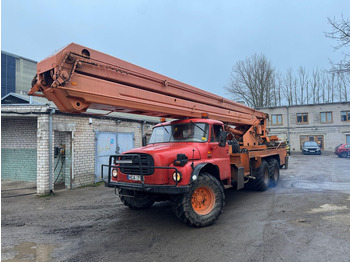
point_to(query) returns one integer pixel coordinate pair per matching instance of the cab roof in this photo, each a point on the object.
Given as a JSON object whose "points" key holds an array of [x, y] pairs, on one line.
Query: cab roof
{"points": [[194, 120]]}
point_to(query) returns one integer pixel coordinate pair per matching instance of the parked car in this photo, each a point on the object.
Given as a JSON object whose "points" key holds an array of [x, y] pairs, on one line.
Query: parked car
{"points": [[311, 147], [343, 150]]}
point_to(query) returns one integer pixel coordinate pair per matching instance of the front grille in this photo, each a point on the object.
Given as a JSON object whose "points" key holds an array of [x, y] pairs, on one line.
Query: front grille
{"points": [[147, 163]]}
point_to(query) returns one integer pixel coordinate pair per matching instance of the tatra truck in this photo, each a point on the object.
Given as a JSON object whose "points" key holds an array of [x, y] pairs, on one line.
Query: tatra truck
{"points": [[211, 144]]}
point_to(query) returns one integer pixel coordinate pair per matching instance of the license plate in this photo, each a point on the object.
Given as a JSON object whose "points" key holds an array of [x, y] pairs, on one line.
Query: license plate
{"points": [[134, 177]]}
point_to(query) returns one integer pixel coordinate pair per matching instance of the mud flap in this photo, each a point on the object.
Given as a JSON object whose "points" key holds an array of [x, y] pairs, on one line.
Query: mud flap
{"points": [[240, 178], [237, 174]]}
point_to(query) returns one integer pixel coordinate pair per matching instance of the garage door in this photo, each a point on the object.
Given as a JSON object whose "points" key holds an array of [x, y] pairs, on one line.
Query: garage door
{"points": [[109, 143]]}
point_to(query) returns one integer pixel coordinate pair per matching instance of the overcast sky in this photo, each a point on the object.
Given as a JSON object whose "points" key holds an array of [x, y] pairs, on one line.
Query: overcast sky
{"points": [[196, 42]]}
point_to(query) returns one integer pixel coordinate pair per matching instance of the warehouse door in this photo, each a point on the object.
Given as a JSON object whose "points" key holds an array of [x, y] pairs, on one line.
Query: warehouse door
{"points": [[108, 143], [318, 138]]}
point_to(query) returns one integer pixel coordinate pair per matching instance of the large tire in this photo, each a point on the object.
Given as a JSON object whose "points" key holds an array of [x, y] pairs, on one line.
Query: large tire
{"points": [[139, 201], [262, 178], [203, 204], [274, 171]]}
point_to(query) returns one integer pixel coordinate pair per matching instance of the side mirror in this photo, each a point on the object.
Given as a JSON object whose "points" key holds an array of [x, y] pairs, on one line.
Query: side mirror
{"points": [[144, 140], [223, 138]]}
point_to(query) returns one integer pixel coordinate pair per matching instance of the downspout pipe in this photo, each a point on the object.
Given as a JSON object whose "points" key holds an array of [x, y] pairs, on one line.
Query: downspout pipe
{"points": [[52, 111]]}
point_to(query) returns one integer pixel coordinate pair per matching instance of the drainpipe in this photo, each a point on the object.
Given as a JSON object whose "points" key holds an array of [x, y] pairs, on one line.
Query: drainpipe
{"points": [[288, 124], [72, 161], [52, 111]]}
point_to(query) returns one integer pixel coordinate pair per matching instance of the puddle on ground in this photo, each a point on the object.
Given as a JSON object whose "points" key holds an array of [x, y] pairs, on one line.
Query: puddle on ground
{"points": [[327, 208], [27, 251]]}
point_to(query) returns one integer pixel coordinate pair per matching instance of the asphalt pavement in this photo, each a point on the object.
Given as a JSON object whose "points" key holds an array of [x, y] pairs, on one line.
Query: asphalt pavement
{"points": [[305, 218]]}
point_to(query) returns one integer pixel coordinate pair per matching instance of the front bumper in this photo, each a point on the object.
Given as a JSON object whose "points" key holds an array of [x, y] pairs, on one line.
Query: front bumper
{"points": [[115, 162], [312, 152], [157, 189]]}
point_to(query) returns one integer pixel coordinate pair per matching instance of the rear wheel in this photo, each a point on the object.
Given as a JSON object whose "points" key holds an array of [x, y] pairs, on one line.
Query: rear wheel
{"points": [[274, 172], [135, 200], [262, 178], [343, 154], [203, 204]]}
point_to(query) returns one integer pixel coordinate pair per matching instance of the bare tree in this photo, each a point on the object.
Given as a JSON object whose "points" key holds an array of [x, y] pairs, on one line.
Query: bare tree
{"points": [[288, 87], [342, 87], [330, 87], [278, 84], [303, 84], [341, 34], [252, 81], [315, 86]]}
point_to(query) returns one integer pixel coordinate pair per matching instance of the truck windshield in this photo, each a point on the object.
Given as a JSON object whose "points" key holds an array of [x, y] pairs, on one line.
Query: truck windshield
{"points": [[189, 132]]}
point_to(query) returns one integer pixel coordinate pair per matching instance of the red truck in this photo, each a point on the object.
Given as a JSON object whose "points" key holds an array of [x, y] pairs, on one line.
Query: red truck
{"points": [[213, 143]]}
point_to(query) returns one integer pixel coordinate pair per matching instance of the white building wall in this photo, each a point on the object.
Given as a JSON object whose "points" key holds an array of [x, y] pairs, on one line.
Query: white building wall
{"points": [[334, 133], [76, 132]]}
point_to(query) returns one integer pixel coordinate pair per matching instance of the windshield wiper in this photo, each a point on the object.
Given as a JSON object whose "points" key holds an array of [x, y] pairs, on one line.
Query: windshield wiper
{"points": [[165, 128], [205, 133]]}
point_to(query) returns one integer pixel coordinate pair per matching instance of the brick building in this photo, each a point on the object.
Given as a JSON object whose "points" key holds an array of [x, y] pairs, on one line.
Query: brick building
{"points": [[328, 124], [79, 144]]}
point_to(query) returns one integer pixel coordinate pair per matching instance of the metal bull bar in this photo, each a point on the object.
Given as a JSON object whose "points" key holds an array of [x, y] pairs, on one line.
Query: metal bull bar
{"points": [[115, 161]]}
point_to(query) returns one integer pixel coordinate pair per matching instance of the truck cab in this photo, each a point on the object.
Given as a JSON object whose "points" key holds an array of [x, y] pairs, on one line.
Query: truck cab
{"points": [[172, 155]]}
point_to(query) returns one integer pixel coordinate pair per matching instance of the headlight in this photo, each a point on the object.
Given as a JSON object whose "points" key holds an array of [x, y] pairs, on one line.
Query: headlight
{"points": [[115, 173], [177, 176]]}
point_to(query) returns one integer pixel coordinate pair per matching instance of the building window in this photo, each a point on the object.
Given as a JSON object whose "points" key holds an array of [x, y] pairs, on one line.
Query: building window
{"points": [[276, 119], [345, 115], [302, 118], [326, 117]]}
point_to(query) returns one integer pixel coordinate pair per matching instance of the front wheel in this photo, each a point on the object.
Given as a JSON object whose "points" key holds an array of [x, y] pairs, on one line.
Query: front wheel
{"points": [[203, 204], [135, 200]]}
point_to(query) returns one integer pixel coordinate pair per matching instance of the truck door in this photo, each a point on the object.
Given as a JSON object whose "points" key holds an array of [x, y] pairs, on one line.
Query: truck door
{"points": [[220, 155]]}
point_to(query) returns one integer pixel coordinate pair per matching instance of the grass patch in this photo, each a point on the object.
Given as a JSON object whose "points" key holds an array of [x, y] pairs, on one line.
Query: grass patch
{"points": [[45, 195], [93, 184]]}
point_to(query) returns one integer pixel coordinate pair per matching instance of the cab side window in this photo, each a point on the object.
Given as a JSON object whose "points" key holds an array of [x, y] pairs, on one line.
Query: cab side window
{"points": [[215, 133]]}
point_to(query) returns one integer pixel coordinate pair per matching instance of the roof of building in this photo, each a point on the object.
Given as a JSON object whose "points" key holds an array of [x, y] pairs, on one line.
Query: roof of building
{"points": [[285, 106], [17, 56], [17, 99]]}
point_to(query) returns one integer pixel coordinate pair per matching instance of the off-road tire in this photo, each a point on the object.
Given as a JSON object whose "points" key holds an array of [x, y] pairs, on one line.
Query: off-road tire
{"points": [[343, 154], [274, 171], [262, 178], [136, 202], [207, 196]]}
